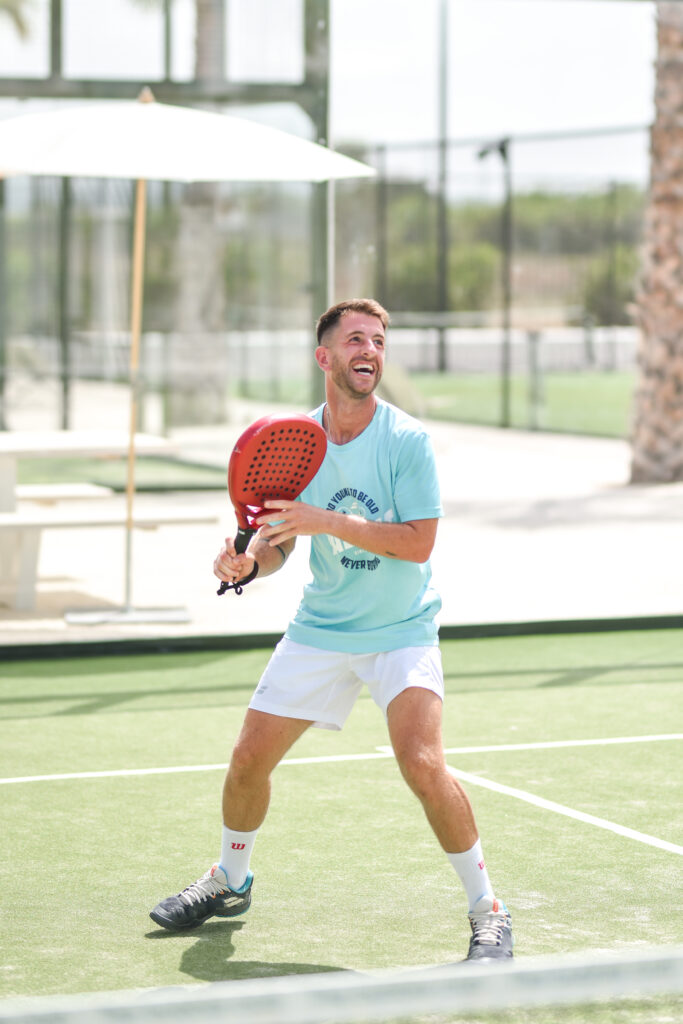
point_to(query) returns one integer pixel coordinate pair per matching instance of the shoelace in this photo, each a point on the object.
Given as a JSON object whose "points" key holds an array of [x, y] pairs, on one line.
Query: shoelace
{"points": [[488, 929], [202, 889]]}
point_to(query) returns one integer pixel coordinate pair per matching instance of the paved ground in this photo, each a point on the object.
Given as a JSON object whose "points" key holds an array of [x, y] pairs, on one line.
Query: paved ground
{"points": [[537, 527]]}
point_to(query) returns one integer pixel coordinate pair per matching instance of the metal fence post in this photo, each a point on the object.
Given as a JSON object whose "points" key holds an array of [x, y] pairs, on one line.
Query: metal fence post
{"points": [[506, 411], [442, 237], [381, 204], [535, 378], [3, 310], [502, 147], [63, 292]]}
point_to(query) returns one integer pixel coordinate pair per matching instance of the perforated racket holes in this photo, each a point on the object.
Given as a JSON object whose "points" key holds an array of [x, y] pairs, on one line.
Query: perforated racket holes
{"points": [[280, 463]]}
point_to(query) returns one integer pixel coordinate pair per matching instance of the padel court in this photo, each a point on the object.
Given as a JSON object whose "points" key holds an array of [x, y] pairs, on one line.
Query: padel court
{"points": [[570, 747]]}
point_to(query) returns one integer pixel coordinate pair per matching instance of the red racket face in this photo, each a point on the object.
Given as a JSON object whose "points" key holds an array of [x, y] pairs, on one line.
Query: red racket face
{"points": [[276, 457]]}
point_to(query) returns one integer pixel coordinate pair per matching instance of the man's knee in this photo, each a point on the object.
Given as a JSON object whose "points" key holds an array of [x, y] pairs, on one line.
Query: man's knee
{"points": [[248, 761], [421, 766], [262, 743]]}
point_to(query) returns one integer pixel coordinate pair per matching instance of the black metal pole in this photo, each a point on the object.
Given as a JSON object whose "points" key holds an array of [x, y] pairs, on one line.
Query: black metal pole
{"points": [[317, 37], [502, 147], [442, 202], [381, 269], [3, 311], [63, 302], [506, 412], [56, 39], [168, 40]]}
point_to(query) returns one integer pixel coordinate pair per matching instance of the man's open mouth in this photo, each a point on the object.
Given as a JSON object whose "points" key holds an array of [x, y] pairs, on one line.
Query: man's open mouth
{"points": [[364, 369]]}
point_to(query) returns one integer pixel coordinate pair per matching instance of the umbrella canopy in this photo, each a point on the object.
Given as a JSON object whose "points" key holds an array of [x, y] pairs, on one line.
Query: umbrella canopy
{"points": [[145, 140], [160, 142]]}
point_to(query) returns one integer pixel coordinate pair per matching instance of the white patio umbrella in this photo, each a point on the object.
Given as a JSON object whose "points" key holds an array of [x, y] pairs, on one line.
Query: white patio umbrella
{"points": [[145, 140]]}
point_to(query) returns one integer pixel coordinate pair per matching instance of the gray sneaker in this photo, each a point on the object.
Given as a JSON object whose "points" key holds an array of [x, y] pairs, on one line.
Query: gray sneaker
{"points": [[491, 926], [210, 896]]}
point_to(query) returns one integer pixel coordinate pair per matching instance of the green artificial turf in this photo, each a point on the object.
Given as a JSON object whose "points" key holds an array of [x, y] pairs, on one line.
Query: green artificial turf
{"points": [[151, 473], [596, 403], [348, 874]]}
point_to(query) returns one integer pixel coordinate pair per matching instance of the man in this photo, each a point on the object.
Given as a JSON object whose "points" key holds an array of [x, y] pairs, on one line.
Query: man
{"points": [[367, 617]]}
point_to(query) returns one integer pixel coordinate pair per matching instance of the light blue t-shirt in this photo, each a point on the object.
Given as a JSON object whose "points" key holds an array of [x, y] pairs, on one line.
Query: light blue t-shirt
{"points": [[357, 601]]}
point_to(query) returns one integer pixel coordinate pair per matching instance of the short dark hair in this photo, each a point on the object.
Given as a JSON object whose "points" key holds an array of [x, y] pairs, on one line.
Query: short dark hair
{"points": [[333, 315]]}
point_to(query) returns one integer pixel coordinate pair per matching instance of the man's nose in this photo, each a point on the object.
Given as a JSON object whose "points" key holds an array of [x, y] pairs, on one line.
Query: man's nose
{"points": [[370, 346]]}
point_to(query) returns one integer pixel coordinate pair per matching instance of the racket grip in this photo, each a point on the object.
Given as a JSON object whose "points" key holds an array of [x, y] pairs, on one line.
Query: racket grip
{"points": [[242, 539]]}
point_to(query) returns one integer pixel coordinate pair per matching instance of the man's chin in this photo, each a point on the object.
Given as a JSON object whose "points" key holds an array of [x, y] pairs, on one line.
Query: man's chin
{"points": [[364, 387], [355, 389]]}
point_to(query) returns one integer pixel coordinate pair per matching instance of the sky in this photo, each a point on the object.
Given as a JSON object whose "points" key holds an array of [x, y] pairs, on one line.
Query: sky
{"points": [[514, 66]]}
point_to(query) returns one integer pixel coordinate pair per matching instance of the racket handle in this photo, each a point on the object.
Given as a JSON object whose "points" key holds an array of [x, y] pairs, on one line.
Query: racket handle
{"points": [[242, 539]]}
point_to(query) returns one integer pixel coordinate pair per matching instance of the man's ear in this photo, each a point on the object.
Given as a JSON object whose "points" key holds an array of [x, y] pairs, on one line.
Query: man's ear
{"points": [[322, 357]]}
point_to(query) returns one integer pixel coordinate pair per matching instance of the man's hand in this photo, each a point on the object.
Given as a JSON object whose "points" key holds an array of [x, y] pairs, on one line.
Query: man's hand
{"points": [[228, 566], [291, 519], [411, 541]]}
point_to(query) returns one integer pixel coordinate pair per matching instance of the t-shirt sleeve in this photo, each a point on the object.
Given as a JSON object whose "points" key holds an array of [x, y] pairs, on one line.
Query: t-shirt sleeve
{"points": [[416, 484]]}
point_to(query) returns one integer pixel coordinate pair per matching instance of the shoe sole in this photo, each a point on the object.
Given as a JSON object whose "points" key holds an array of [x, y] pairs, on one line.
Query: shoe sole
{"points": [[172, 926], [486, 959]]}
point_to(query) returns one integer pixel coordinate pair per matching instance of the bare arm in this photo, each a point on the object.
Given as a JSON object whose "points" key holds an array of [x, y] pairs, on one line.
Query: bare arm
{"points": [[410, 542]]}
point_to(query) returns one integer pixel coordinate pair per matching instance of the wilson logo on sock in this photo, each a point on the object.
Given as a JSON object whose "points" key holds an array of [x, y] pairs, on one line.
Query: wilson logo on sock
{"points": [[481, 865], [237, 846]]}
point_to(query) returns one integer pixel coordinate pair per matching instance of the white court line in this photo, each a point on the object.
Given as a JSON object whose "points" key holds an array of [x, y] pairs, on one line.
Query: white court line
{"points": [[174, 770], [386, 752], [556, 744], [113, 773], [382, 752], [568, 812]]}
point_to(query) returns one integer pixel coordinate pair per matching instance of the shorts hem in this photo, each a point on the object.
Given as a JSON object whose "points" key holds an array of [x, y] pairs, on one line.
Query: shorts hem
{"points": [[299, 714]]}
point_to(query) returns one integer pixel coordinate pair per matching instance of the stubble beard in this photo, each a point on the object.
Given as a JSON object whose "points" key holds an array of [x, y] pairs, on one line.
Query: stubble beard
{"points": [[343, 378]]}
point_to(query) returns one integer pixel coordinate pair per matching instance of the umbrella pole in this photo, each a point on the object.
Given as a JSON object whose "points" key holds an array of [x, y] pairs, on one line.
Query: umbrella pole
{"points": [[137, 279], [128, 613]]}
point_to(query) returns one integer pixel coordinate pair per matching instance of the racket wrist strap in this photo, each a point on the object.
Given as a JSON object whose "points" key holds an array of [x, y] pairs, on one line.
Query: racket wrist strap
{"points": [[252, 575], [238, 584]]}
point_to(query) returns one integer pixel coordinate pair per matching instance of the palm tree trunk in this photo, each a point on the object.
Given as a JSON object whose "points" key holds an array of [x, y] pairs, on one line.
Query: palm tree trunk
{"points": [[210, 40], [657, 433]]}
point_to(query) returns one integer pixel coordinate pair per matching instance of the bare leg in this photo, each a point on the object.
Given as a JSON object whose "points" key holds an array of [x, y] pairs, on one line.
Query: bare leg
{"points": [[261, 745], [414, 719]]}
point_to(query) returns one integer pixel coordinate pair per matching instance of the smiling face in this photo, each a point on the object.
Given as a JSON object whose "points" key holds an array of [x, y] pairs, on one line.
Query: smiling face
{"points": [[352, 354]]}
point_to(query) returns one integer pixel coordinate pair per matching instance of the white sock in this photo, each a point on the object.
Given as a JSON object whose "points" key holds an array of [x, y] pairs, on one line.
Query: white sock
{"points": [[236, 850], [472, 871]]}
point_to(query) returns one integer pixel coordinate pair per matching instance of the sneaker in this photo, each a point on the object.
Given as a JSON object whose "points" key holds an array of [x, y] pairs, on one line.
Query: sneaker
{"points": [[491, 926], [208, 897]]}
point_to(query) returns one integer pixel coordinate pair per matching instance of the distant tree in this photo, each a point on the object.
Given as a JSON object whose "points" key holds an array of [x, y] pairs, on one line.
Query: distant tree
{"points": [[657, 434], [473, 271], [609, 286]]}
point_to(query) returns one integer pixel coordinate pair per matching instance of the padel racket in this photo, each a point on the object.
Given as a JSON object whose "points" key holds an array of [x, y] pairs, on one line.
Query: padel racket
{"points": [[276, 457]]}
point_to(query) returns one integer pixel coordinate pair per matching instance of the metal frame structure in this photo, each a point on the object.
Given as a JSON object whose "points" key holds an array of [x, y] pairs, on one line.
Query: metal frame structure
{"points": [[311, 95]]}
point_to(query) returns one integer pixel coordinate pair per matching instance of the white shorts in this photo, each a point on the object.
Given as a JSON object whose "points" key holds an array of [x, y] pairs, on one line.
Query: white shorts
{"points": [[321, 686]]}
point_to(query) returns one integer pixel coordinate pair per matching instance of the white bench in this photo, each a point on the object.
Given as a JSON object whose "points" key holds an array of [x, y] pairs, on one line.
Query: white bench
{"points": [[21, 531], [50, 494]]}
